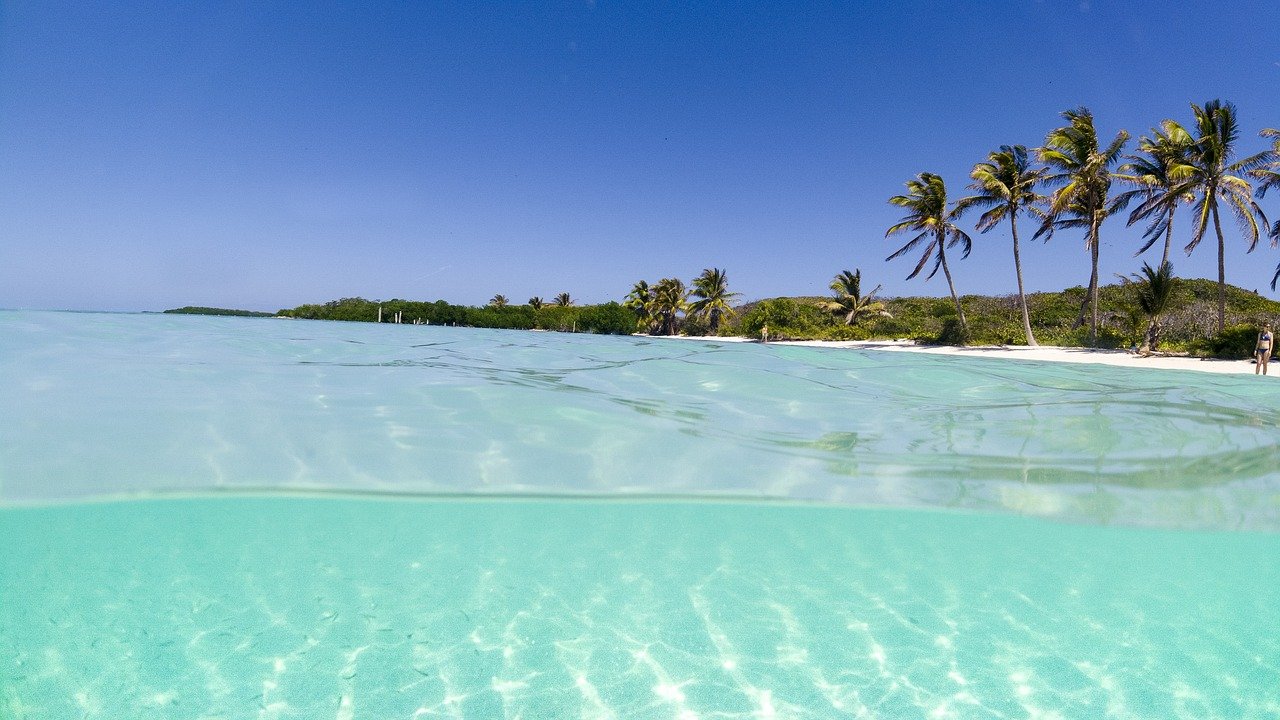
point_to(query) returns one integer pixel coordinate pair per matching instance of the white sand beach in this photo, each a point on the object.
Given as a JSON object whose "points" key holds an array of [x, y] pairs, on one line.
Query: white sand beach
{"points": [[1119, 358]]}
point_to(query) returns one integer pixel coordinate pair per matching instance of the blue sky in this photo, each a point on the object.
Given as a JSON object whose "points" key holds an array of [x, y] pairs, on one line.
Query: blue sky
{"points": [[263, 155]]}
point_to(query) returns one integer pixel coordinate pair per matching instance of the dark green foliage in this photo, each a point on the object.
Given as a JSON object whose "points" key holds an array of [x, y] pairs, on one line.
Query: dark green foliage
{"points": [[195, 310], [1188, 321], [1235, 342], [787, 319], [953, 333], [609, 318]]}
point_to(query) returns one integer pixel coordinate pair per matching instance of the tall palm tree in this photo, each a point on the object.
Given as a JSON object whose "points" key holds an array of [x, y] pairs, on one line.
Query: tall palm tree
{"points": [[849, 300], [536, 302], [1214, 176], [1082, 169], [498, 301], [640, 302], [563, 300], [1156, 175], [669, 300], [927, 213], [1154, 296], [713, 295], [1006, 185]]}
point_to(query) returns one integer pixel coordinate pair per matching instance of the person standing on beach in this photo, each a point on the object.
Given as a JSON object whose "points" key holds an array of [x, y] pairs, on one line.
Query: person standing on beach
{"points": [[1263, 351]]}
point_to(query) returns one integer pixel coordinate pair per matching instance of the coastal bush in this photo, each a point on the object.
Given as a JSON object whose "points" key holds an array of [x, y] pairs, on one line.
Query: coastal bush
{"points": [[953, 333], [787, 319], [1235, 342], [607, 319]]}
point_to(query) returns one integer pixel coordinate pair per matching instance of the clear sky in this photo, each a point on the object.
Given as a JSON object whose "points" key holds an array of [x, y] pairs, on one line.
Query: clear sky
{"points": [[263, 155]]}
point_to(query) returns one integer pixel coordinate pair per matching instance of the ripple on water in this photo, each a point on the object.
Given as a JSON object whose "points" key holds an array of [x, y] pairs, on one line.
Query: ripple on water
{"points": [[190, 403]]}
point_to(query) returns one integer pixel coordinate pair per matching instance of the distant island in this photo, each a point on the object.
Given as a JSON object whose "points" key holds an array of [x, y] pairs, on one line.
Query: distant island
{"points": [[194, 310]]}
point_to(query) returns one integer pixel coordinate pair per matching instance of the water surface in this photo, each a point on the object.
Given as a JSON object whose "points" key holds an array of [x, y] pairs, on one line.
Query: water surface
{"points": [[225, 518]]}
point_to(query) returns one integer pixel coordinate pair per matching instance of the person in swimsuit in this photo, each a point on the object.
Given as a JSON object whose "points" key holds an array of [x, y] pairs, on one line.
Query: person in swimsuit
{"points": [[1263, 351]]}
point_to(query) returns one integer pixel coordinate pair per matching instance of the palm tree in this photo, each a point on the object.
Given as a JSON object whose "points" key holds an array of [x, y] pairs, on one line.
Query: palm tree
{"points": [[1154, 296], [498, 301], [926, 204], [1268, 174], [563, 300], [713, 295], [536, 302], [1156, 175], [849, 300], [1083, 170], [669, 300], [1213, 177], [1268, 177], [640, 302], [1006, 184]]}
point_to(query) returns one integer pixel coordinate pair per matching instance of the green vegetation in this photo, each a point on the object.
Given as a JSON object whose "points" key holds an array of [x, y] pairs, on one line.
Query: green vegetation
{"points": [[713, 296], [609, 318], [1006, 185], [927, 214], [1187, 318], [1155, 292], [1211, 173], [849, 303], [1082, 170], [1173, 168], [195, 310]]}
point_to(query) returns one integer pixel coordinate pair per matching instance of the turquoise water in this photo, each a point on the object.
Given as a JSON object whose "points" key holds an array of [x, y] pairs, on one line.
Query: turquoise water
{"points": [[230, 518]]}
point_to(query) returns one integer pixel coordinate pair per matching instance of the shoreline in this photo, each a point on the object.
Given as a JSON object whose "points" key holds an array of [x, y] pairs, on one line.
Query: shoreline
{"points": [[1045, 353]]}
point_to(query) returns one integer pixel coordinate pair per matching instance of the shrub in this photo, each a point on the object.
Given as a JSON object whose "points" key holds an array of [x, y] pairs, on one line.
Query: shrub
{"points": [[608, 319], [785, 317], [1235, 342], [953, 333]]}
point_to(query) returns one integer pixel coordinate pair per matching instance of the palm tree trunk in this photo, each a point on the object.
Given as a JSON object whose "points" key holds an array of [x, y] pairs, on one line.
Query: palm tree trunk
{"points": [[964, 325], [1168, 236], [1017, 266], [1222, 272], [1091, 295]]}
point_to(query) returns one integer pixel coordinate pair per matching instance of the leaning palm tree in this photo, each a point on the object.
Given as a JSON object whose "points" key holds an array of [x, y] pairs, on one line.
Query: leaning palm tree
{"points": [[1157, 174], [927, 212], [536, 302], [849, 301], [713, 295], [1082, 169], [669, 300], [1154, 295], [1006, 184], [498, 301], [1216, 178], [640, 302], [563, 300]]}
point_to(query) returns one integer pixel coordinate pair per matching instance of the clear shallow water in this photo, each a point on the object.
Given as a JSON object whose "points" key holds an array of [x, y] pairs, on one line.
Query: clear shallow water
{"points": [[276, 605], [99, 404], [345, 608]]}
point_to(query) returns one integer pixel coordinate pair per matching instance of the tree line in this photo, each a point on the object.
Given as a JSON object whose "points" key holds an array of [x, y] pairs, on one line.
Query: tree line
{"points": [[1074, 181], [1196, 166]]}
